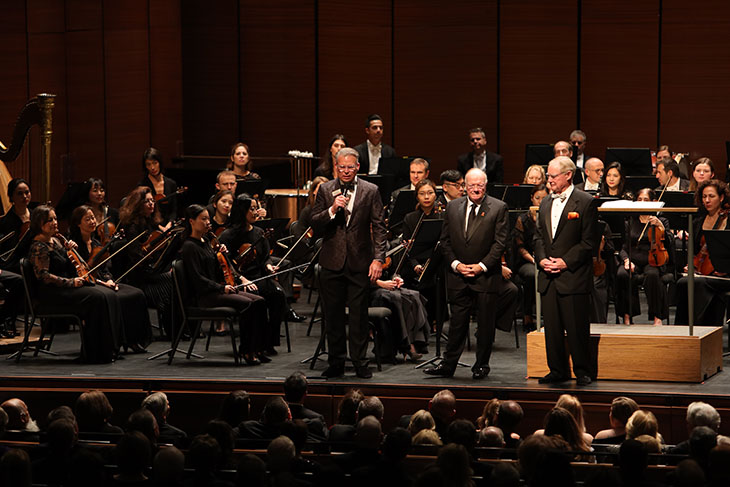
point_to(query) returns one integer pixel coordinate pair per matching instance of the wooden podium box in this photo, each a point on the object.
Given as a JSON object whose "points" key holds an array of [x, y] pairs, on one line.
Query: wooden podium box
{"points": [[643, 352]]}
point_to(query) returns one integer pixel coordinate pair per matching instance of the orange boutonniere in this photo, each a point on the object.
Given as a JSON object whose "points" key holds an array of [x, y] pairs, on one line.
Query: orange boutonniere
{"points": [[573, 215], [481, 214]]}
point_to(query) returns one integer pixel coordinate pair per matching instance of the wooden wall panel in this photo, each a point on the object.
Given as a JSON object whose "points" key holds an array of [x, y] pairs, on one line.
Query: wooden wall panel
{"points": [[695, 79], [14, 85], [166, 107], [127, 94], [355, 75], [538, 77], [210, 75], [619, 74], [277, 76], [445, 77], [83, 15]]}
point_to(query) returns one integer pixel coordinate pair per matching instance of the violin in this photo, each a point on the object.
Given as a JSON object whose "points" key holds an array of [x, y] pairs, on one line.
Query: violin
{"points": [[658, 255], [228, 276], [105, 229], [82, 268], [702, 262], [100, 253], [247, 251], [157, 236], [160, 198], [599, 265]]}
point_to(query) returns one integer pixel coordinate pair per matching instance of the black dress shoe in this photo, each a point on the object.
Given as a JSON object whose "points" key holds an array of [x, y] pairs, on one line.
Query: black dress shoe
{"points": [[363, 372], [551, 378], [441, 370], [583, 380], [333, 371], [480, 373], [263, 358], [294, 316]]}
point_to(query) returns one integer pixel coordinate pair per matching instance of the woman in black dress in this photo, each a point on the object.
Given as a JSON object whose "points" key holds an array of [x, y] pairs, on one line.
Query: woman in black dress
{"points": [[637, 263], [328, 168], [206, 282], [221, 211], [82, 230], [106, 216], [240, 163], [59, 286], [16, 220], [614, 182], [164, 189]]}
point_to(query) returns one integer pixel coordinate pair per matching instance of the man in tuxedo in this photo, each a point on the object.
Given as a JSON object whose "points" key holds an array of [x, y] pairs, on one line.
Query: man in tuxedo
{"points": [[667, 173], [594, 175], [474, 235], [452, 182], [349, 214], [578, 141], [489, 162], [373, 149], [564, 243]]}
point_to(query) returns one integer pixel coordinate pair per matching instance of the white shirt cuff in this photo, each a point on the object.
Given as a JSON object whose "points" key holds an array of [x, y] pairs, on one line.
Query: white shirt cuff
{"points": [[454, 264]]}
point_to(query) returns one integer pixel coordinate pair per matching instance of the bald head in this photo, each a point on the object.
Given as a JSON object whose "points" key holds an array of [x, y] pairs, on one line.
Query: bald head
{"points": [[594, 170], [562, 148], [18, 415], [443, 405]]}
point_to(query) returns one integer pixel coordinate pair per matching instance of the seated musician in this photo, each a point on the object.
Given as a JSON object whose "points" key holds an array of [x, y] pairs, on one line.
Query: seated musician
{"points": [[106, 216], [250, 249], [305, 216], [221, 210], [452, 182], [645, 264], [667, 173], [328, 168], [205, 279], [240, 163], [427, 208], [163, 188], [418, 171], [17, 222], [523, 235], [136, 318], [614, 182], [140, 260], [535, 174], [703, 169], [713, 201], [60, 287]]}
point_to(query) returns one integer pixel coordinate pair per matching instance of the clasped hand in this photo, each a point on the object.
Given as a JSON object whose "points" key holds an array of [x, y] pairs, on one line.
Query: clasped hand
{"points": [[469, 270], [553, 265]]}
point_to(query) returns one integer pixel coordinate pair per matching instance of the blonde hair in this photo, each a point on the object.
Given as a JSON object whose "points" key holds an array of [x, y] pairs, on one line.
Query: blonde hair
{"points": [[574, 407], [539, 168], [642, 423], [427, 437], [421, 420]]}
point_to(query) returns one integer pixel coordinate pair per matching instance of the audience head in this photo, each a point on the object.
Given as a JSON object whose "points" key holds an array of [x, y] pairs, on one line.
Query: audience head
{"points": [[3, 421], [717, 467], [491, 436], [689, 473], [509, 416], [702, 439], [133, 453], [427, 437], [158, 405], [371, 406], [86, 469], [236, 408], [621, 410], [280, 454], [531, 451], [504, 475], [144, 421], [204, 453], [347, 409], [702, 414], [489, 414], [15, 469], [396, 444], [18, 415], [62, 435], [443, 406], [421, 420], [560, 422], [297, 431], [571, 404], [223, 434], [651, 444], [61, 412], [368, 433], [251, 471], [633, 458], [462, 432], [535, 174], [168, 467], [276, 411], [295, 387], [642, 423], [454, 462]]}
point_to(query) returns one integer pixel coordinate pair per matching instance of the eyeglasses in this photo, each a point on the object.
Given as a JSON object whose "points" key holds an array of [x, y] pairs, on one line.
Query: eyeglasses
{"points": [[476, 186], [554, 176], [457, 185], [346, 168]]}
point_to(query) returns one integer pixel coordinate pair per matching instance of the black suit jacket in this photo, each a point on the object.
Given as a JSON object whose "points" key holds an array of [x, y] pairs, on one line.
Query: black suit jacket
{"points": [[683, 185], [353, 244], [574, 242], [362, 149], [485, 243], [494, 166]]}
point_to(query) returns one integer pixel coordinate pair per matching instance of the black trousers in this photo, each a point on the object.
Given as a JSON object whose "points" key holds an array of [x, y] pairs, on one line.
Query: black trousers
{"points": [[567, 313], [461, 301], [656, 292], [339, 289]]}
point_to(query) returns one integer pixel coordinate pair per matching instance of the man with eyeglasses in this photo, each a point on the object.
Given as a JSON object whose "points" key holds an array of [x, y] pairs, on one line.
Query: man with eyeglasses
{"points": [[594, 175], [564, 243], [452, 183], [489, 162], [351, 258], [473, 237]]}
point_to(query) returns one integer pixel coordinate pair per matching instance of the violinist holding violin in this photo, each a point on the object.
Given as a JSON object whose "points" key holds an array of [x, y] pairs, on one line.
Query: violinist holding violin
{"points": [[59, 285], [136, 318], [107, 218], [205, 278], [713, 201], [164, 189], [647, 262], [221, 210], [16, 223]]}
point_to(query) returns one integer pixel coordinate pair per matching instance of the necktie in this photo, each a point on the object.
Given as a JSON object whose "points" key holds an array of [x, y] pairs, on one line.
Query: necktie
{"points": [[471, 220]]}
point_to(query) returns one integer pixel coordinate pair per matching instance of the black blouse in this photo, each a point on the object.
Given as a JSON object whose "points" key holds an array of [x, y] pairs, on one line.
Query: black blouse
{"points": [[202, 271]]}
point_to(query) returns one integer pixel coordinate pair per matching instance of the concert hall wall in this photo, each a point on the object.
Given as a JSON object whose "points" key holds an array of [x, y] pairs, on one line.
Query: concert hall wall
{"points": [[193, 76]]}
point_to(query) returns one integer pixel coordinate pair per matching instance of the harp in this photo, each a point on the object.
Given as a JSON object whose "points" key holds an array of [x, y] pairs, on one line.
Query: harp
{"points": [[37, 111]]}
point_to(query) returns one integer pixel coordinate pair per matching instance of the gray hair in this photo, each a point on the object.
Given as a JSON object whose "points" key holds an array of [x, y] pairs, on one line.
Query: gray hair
{"points": [[156, 403], [420, 160], [564, 163], [347, 151], [702, 414], [578, 132]]}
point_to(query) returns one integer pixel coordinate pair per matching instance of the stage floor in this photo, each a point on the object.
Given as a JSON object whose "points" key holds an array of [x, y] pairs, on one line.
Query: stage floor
{"points": [[509, 368]]}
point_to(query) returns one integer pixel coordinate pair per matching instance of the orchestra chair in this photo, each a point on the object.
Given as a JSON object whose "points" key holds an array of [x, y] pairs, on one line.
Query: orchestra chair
{"points": [[37, 310], [192, 313]]}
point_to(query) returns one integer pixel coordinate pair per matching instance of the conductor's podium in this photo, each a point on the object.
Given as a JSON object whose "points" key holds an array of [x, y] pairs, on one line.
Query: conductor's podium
{"points": [[643, 352]]}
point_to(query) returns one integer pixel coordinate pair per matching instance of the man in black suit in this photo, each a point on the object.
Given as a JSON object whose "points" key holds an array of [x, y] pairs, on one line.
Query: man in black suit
{"points": [[594, 175], [349, 214], [373, 149], [452, 182], [418, 170], [489, 162], [474, 236], [563, 148], [295, 390], [667, 173], [564, 243]]}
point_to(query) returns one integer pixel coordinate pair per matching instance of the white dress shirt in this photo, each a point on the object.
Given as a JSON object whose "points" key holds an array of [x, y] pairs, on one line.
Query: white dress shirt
{"points": [[480, 160], [557, 210], [589, 186], [374, 152]]}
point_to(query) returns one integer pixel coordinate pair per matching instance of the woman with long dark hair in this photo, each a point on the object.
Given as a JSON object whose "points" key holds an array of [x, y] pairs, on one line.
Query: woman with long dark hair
{"points": [[164, 189], [614, 182], [328, 168], [60, 286], [205, 281], [16, 220], [106, 216]]}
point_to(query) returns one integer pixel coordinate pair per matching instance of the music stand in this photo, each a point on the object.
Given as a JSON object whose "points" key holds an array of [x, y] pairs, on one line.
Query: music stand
{"points": [[540, 154], [253, 188], [277, 225], [615, 221], [718, 246], [70, 199], [378, 181], [405, 203], [636, 183], [517, 196], [634, 161], [398, 168], [677, 199]]}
